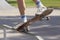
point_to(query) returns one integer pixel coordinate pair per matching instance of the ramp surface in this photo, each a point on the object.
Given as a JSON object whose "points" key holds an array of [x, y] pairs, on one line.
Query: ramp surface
{"points": [[5, 5], [7, 10]]}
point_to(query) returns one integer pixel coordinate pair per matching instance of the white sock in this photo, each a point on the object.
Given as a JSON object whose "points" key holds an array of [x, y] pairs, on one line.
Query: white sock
{"points": [[39, 4], [24, 18]]}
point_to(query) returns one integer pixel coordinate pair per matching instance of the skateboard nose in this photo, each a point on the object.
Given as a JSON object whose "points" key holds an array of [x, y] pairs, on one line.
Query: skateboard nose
{"points": [[48, 11]]}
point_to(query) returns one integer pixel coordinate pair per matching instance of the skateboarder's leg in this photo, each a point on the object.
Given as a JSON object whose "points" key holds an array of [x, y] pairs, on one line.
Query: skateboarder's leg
{"points": [[22, 6], [40, 6], [38, 3]]}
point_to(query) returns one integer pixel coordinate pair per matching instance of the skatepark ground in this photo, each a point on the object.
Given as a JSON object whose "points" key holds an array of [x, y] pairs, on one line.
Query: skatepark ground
{"points": [[48, 30]]}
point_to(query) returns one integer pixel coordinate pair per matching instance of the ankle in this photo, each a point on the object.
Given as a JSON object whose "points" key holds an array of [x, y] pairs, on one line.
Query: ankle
{"points": [[24, 18], [38, 4]]}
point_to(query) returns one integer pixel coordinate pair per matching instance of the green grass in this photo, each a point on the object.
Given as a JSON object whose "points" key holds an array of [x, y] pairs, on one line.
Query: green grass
{"points": [[51, 3], [30, 3]]}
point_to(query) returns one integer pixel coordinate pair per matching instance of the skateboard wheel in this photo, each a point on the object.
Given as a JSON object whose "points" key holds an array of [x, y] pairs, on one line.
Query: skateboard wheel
{"points": [[47, 18], [25, 29]]}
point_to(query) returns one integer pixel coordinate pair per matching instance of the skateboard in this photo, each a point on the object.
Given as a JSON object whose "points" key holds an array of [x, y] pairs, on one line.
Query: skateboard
{"points": [[34, 19]]}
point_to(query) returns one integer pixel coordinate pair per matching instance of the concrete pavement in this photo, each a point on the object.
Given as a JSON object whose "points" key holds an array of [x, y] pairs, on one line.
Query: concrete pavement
{"points": [[48, 30]]}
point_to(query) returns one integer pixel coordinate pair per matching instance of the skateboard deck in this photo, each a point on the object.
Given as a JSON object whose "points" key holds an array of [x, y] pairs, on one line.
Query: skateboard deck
{"points": [[36, 18]]}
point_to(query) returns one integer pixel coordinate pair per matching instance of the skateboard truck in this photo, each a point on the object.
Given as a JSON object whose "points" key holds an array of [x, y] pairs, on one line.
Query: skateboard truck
{"points": [[46, 18]]}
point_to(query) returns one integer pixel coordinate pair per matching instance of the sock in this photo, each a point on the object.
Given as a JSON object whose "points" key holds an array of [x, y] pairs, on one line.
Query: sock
{"points": [[39, 4], [24, 18]]}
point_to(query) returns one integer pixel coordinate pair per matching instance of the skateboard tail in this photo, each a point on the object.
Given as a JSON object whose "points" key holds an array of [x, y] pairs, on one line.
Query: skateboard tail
{"points": [[22, 26]]}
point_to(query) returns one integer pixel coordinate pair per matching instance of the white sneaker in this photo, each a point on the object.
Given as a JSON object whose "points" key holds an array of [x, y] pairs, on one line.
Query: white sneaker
{"points": [[24, 19], [40, 10]]}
